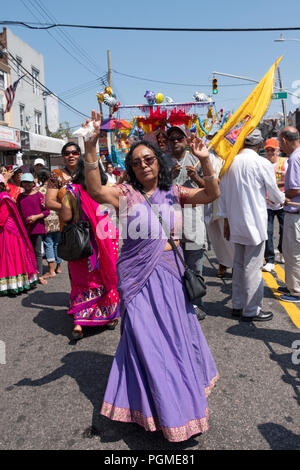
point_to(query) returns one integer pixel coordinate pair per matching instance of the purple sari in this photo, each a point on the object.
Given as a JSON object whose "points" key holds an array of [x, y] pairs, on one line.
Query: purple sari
{"points": [[163, 370]]}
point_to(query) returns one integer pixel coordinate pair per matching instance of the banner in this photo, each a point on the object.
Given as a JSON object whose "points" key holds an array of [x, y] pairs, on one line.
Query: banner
{"points": [[230, 138]]}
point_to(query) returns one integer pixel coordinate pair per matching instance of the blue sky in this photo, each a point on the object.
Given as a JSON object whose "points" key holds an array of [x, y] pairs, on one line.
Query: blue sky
{"points": [[182, 57]]}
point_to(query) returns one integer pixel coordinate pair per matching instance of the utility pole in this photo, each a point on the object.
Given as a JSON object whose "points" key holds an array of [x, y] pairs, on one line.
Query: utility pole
{"points": [[110, 136], [109, 77], [282, 101]]}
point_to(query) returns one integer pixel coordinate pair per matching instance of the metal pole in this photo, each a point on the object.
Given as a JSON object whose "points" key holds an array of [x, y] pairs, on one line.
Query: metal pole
{"points": [[109, 68], [236, 76], [282, 101], [255, 81], [110, 136]]}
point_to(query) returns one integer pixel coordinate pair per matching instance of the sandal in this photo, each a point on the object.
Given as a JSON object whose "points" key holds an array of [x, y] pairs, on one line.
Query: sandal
{"points": [[77, 334], [42, 281], [221, 271], [112, 325]]}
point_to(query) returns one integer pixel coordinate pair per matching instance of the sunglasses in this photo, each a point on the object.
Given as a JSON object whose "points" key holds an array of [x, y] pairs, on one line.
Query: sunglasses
{"points": [[147, 160], [173, 139], [71, 152]]}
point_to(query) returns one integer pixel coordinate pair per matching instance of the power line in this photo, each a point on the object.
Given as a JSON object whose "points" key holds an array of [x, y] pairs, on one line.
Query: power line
{"points": [[174, 83], [83, 88], [30, 25], [43, 87], [79, 49], [58, 42]]}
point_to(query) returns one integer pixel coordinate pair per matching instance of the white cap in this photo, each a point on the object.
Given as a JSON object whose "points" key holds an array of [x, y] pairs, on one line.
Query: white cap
{"points": [[39, 161]]}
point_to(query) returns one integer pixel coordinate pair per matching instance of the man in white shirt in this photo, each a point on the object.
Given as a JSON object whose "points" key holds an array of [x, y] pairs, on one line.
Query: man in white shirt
{"points": [[112, 179], [243, 205]]}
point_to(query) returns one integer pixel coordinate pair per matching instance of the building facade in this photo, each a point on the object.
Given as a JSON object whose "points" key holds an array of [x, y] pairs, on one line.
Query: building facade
{"points": [[25, 125]]}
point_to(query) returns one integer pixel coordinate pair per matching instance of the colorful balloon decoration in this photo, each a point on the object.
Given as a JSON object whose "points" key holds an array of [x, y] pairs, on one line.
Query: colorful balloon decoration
{"points": [[159, 97], [169, 100], [150, 97], [199, 97], [109, 98]]}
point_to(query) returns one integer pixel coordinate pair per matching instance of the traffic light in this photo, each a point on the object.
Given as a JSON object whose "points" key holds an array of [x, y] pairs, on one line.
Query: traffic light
{"points": [[214, 86]]}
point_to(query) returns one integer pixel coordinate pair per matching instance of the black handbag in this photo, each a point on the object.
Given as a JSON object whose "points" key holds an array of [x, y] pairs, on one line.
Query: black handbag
{"points": [[74, 242], [193, 281]]}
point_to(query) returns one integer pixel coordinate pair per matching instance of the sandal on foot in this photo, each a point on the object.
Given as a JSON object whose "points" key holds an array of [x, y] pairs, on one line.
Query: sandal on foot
{"points": [[112, 326], [76, 334]]}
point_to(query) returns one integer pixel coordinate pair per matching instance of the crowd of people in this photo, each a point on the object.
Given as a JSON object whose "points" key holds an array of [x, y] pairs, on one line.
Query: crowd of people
{"points": [[163, 370]]}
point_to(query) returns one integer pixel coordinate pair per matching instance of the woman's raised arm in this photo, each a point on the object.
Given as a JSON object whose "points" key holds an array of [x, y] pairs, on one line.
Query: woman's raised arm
{"points": [[101, 194], [211, 190]]}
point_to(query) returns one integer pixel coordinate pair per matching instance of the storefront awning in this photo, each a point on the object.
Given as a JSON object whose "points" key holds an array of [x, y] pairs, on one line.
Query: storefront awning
{"points": [[43, 144]]}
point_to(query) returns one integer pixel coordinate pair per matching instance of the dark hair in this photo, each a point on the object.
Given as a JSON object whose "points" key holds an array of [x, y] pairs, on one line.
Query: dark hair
{"points": [[43, 175], [79, 177], [290, 135], [2, 187], [164, 176], [70, 144]]}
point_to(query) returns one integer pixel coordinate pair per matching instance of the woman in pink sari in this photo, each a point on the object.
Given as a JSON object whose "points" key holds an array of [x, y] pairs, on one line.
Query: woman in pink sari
{"points": [[94, 300], [18, 271]]}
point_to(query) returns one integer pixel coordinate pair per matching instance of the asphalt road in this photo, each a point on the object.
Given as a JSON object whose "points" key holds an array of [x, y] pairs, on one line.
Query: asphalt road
{"points": [[52, 388]]}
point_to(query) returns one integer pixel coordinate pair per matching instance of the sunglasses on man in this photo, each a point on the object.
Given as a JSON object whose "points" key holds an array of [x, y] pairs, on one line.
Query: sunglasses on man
{"points": [[178, 138]]}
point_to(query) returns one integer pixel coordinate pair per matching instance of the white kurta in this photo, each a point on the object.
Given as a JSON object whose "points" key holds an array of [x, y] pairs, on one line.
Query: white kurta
{"points": [[243, 197]]}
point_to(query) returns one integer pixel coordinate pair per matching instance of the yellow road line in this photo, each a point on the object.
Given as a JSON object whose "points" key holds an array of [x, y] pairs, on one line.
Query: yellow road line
{"points": [[291, 308]]}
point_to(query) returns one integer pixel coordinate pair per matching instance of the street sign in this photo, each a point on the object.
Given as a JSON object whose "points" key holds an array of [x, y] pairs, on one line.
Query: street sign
{"points": [[279, 96]]}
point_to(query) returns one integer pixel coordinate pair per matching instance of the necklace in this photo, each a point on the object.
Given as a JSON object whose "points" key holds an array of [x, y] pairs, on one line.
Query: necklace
{"points": [[68, 171], [149, 193]]}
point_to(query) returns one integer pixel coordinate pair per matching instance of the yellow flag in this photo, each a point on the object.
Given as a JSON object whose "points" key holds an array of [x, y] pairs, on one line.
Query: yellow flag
{"points": [[230, 139]]}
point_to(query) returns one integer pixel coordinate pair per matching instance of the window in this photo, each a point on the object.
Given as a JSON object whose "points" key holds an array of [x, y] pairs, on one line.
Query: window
{"points": [[2, 80], [2, 118], [22, 116], [38, 122], [35, 76]]}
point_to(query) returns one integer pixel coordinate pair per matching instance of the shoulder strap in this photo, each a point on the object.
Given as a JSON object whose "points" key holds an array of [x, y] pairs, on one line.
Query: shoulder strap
{"points": [[166, 230], [78, 203]]}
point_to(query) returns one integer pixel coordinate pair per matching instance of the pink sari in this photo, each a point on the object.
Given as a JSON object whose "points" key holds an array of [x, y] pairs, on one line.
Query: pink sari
{"points": [[94, 299], [18, 271]]}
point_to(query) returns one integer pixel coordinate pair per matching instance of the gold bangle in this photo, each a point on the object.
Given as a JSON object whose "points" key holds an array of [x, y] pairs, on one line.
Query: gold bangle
{"points": [[91, 165]]}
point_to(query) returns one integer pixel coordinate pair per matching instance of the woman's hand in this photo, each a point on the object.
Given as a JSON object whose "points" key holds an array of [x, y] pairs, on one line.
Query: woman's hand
{"points": [[95, 123], [198, 148], [32, 219]]}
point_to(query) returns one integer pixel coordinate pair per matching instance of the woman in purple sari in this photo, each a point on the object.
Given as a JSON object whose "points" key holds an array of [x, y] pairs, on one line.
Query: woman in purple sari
{"points": [[163, 370]]}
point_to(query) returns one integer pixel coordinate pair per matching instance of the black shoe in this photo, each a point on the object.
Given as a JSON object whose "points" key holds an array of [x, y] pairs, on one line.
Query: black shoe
{"points": [[283, 290], [237, 312], [261, 316], [200, 314]]}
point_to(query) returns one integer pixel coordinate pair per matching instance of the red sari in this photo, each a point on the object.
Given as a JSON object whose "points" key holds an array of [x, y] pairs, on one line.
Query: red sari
{"points": [[94, 299]]}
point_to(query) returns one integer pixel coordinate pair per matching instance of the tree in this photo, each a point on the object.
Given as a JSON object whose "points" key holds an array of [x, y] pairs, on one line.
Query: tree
{"points": [[63, 131]]}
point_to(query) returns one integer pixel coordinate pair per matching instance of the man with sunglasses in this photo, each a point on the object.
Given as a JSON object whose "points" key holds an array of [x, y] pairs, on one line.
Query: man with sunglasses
{"points": [[280, 165], [182, 163]]}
